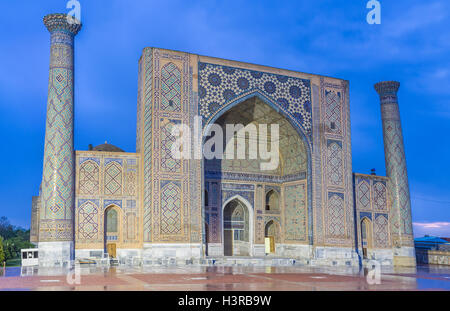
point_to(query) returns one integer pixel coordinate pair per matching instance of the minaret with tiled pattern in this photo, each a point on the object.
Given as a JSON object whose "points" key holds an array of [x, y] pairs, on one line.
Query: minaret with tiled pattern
{"points": [[56, 232], [400, 215]]}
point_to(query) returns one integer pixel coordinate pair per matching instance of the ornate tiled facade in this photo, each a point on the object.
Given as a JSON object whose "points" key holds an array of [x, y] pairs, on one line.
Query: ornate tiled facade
{"points": [[296, 220], [373, 203], [149, 205], [111, 175]]}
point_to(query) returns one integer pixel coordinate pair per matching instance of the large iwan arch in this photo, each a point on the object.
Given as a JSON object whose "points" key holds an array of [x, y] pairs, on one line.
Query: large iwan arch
{"points": [[245, 176]]}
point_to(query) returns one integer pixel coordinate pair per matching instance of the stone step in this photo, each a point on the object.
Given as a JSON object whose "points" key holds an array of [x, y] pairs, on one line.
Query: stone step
{"points": [[251, 261]]}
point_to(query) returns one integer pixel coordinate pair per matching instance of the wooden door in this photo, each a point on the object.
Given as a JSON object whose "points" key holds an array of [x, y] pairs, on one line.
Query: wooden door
{"points": [[111, 249], [272, 244], [228, 243]]}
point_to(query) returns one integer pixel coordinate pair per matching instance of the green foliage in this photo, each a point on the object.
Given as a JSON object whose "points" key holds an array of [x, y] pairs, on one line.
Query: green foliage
{"points": [[2, 253], [14, 262], [14, 239], [6, 229]]}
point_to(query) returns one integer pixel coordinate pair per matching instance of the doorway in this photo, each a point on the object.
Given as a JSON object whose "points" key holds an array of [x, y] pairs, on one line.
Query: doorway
{"points": [[271, 233], [366, 236], [111, 249], [236, 229], [112, 226]]}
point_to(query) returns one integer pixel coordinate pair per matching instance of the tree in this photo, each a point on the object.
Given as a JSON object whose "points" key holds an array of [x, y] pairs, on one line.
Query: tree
{"points": [[14, 245], [2, 253], [6, 229], [13, 239]]}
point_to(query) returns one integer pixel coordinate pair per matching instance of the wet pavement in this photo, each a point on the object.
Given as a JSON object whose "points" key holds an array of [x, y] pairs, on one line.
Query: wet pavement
{"points": [[192, 278]]}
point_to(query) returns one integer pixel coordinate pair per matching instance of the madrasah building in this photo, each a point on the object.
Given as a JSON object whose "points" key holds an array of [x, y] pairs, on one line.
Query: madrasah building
{"points": [[147, 204]]}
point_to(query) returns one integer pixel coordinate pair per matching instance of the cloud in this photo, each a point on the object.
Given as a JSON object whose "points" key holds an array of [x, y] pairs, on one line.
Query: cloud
{"points": [[403, 36], [416, 18], [432, 224], [441, 229]]}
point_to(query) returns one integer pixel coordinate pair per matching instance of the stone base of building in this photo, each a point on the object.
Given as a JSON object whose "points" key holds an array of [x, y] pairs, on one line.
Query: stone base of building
{"points": [[403, 261], [334, 256], [404, 257], [56, 254], [298, 251], [89, 253], [179, 251], [214, 249], [295, 251], [285, 254], [155, 254], [385, 257]]}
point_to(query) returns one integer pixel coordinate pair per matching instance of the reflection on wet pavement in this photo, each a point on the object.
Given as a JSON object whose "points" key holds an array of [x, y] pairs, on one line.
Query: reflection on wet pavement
{"points": [[223, 278]]}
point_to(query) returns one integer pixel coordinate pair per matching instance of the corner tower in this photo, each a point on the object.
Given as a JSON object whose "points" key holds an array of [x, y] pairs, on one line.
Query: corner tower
{"points": [[56, 215], [401, 223]]}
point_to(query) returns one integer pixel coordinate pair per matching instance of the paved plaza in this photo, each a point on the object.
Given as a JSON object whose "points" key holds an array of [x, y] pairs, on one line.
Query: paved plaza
{"points": [[190, 278]]}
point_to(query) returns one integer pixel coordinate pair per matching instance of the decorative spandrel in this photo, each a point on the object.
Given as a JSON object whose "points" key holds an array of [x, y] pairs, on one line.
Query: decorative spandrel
{"points": [[222, 85]]}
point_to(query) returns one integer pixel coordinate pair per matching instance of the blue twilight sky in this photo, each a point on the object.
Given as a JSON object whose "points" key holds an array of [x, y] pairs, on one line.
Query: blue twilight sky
{"points": [[327, 37]]}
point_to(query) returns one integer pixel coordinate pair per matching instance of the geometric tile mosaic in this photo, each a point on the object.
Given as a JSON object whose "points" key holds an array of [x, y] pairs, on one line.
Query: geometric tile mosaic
{"points": [[168, 162], [381, 231], [170, 88], [219, 85], [336, 215], [334, 150], [295, 213], [89, 178], [333, 111], [379, 196], [363, 194], [88, 221], [170, 208], [113, 179]]}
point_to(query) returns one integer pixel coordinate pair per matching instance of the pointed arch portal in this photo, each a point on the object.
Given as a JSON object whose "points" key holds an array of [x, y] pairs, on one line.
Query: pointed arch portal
{"points": [[112, 226], [237, 227], [294, 165]]}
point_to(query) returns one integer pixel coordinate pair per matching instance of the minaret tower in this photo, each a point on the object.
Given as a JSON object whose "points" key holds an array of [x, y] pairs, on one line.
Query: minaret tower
{"points": [[394, 150], [56, 221]]}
